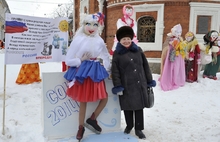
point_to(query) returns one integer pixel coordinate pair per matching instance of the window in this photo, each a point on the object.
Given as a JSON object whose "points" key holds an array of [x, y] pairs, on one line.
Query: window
{"points": [[203, 18], [203, 24], [146, 29]]}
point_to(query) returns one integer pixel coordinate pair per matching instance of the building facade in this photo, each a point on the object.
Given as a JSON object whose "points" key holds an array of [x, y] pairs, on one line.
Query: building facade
{"points": [[156, 18], [3, 9]]}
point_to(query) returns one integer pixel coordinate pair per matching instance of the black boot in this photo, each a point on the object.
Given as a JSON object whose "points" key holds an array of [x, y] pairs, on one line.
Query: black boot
{"points": [[127, 131], [92, 124], [140, 134], [80, 132]]}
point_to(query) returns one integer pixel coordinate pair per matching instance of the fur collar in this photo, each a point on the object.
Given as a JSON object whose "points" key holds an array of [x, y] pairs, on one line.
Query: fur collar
{"points": [[120, 49]]}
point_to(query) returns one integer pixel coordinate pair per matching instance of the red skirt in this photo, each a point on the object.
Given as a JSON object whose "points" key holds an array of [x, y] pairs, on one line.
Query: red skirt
{"points": [[88, 91]]}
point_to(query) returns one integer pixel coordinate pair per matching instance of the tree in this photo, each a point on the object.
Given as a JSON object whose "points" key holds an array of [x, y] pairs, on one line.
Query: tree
{"points": [[64, 10]]}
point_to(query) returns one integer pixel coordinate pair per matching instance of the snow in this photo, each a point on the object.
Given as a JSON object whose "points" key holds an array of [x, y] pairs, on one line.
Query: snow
{"points": [[187, 114]]}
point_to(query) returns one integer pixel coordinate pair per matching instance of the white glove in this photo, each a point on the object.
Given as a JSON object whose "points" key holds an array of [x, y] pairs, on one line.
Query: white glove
{"points": [[120, 93], [86, 56]]}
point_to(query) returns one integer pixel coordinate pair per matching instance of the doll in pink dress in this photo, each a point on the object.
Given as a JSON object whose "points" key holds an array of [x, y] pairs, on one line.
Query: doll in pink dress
{"points": [[172, 61]]}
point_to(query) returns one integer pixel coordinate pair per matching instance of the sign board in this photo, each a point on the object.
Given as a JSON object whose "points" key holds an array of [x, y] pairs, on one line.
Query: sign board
{"points": [[60, 113], [31, 39]]}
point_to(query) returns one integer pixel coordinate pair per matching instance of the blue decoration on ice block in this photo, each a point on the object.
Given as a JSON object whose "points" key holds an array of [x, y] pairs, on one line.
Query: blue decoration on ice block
{"points": [[110, 137]]}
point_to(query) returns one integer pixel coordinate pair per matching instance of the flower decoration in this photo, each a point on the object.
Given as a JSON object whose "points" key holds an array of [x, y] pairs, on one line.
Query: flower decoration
{"points": [[100, 18]]}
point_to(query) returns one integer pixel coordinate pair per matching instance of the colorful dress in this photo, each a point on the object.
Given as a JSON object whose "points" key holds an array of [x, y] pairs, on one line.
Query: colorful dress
{"points": [[212, 68], [173, 72], [29, 73], [191, 65], [86, 78]]}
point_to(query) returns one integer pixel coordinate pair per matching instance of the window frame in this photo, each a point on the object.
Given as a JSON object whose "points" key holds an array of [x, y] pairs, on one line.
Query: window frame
{"points": [[204, 9]]}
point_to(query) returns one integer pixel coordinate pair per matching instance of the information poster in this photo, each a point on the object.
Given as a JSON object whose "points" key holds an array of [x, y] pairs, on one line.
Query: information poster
{"points": [[34, 39]]}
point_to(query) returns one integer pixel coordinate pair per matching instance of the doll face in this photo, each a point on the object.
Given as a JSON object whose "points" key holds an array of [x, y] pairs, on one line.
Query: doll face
{"points": [[91, 28], [128, 11], [214, 36], [176, 32], [189, 38], [126, 41]]}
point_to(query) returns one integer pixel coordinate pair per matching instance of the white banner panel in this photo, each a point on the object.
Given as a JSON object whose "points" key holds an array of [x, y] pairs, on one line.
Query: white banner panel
{"points": [[33, 39], [60, 113]]}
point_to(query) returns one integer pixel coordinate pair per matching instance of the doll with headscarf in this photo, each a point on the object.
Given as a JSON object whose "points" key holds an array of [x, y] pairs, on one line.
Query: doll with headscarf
{"points": [[212, 43], [192, 57], [126, 20], [86, 73], [172, 60]]}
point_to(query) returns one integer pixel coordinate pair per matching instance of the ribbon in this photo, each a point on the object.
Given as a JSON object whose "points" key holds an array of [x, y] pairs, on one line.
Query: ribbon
{"points": [[100, 17]]}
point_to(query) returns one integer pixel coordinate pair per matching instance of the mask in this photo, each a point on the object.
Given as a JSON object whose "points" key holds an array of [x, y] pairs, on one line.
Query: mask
{"points": [[189, 38], [176, 30], [128, 10], [214, 36], [91, 28]]}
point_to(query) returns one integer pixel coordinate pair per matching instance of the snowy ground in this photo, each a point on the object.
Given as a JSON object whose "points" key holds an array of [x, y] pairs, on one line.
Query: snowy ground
{"points": [[188, 114]]}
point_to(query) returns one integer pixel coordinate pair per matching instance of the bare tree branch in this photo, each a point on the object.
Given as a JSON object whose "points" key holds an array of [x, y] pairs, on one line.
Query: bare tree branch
{"points": [[63, 10]]}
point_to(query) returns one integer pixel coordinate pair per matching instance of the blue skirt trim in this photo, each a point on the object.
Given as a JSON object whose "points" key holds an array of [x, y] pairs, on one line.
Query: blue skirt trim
{"points": [[92, 69]]}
